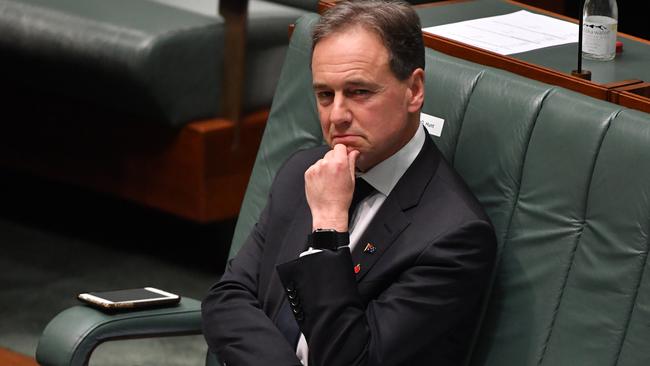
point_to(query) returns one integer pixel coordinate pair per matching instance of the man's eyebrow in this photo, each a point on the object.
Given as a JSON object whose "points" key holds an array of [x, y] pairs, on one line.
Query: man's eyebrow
{"points": [[362, 83], [355, 83]]}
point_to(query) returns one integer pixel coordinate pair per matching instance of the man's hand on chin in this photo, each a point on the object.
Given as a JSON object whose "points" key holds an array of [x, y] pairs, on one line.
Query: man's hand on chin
{"points": [[329, 185]]}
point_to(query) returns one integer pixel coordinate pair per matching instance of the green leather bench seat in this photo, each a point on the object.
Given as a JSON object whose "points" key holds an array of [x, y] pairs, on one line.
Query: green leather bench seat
{"points": [[161, 59], [564, 179]]}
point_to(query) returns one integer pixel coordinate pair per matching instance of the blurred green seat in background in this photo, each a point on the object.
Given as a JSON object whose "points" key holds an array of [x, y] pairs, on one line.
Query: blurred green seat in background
{"points": [[162, 102]]}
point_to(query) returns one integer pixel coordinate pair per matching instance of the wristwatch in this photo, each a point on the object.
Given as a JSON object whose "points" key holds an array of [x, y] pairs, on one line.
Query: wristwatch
{"points": [[328, 239]]}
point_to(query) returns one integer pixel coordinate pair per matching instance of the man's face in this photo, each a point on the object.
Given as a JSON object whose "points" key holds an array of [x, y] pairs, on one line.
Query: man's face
{"points": [[361, 103]]}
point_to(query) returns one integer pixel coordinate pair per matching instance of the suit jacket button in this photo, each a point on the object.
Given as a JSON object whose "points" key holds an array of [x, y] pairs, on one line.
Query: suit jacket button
{"points": [[299, 315]]}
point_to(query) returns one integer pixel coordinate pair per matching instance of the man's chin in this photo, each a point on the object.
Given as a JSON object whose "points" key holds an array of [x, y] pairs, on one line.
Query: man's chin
{"points": [[362, 163]]}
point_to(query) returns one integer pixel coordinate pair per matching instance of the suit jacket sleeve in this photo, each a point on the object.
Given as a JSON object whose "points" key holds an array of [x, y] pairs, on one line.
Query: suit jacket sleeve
{"points": [[234, 324], [417, 309]]}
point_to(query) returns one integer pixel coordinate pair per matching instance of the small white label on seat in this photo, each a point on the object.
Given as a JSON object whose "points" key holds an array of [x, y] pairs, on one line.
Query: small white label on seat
{"points": [[433, 124]]}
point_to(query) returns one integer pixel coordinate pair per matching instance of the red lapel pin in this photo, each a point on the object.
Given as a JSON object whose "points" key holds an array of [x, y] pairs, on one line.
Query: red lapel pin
{"points": [[357, 268]]}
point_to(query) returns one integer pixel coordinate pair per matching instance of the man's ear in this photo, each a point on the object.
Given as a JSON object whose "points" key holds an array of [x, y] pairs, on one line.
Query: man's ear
{"points": [[416, 90]]}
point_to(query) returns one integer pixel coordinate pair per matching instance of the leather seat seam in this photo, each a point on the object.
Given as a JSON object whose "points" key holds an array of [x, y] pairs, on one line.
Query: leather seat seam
{"points": [[567, 274], [461, 118], [521, 177]]}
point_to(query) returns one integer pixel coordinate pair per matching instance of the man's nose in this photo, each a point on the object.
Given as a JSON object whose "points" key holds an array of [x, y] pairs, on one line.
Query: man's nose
{"points": [[340, 113]]}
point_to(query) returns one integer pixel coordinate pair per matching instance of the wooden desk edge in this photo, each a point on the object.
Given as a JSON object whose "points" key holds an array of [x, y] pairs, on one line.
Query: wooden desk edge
{"points": [[631, 100]]}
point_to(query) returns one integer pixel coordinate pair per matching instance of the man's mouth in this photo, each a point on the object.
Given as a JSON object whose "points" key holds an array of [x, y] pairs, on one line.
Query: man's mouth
{"points": [[344, 139]]}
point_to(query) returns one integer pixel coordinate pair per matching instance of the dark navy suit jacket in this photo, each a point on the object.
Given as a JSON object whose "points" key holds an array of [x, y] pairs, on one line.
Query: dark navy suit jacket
{"points": [[414, 300]]}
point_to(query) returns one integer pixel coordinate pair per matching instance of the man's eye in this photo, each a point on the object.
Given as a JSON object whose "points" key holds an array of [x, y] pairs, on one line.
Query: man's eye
{"points": [[324, 95], [360, 92]]}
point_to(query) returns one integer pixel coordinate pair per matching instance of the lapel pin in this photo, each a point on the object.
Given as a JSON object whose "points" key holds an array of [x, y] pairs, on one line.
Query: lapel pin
{"points": [[369, 248], [357, 268]]}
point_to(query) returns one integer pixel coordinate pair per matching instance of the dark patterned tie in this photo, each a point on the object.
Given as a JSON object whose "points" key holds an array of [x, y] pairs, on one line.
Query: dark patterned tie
{"points": [[362, 189]]}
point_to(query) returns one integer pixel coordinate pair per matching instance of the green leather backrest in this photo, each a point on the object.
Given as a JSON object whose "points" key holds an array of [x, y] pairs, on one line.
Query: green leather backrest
{"points": [[292, 125], [565, 180]]}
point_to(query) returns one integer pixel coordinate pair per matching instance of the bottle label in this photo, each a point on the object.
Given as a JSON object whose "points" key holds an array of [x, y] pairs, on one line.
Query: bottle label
{"points": [[599, 35]]}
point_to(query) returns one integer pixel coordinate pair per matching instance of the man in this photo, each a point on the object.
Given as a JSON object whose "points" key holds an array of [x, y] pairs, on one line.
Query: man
{"points": [[407, 288]]}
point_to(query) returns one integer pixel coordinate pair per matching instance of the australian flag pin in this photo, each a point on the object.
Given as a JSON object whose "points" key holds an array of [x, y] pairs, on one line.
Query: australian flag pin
{"points": [[357, 268], [369, 248]]}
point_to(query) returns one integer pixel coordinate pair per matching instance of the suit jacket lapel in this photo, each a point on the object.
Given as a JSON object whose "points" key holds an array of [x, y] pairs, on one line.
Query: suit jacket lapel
{"points": [[391, 219], [389, 222]]}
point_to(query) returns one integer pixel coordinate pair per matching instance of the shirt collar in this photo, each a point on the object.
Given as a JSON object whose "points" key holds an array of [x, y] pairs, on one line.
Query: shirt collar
{"points": [[385, 175]]}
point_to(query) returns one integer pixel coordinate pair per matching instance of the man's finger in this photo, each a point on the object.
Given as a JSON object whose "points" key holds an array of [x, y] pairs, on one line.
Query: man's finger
{"points": [[352, 161]]}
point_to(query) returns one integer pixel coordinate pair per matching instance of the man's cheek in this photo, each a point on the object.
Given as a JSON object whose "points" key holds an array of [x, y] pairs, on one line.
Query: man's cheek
{"points": [[326, 135]]}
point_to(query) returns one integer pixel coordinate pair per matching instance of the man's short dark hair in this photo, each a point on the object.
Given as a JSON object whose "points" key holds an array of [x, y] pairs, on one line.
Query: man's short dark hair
{"points": [[395, 22]]}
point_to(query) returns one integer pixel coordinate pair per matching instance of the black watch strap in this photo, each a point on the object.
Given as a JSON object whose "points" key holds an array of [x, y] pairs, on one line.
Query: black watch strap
{"points": [[328, 239]]}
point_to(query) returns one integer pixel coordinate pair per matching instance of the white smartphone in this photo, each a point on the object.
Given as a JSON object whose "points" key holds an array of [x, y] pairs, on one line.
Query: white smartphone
{"points": [[129, 298]]}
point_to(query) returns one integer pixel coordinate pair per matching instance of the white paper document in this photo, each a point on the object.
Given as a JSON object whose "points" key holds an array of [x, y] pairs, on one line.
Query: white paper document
{"points": [[511, 33]]}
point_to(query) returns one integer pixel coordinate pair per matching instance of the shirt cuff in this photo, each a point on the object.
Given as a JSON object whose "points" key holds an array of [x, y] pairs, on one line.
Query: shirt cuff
{"points": [[310, 251]]}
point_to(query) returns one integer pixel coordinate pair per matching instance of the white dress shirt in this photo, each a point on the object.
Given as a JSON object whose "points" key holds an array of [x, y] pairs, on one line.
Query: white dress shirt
{"points": [[383, 177]]}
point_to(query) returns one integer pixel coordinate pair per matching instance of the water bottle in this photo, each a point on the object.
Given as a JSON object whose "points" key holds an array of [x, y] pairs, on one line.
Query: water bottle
{"points": [[600, 23]]}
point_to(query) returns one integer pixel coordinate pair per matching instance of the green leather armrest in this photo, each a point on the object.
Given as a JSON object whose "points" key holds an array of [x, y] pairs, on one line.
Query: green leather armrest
{"points": [[73, 334]]}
